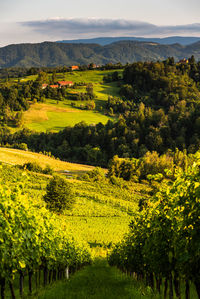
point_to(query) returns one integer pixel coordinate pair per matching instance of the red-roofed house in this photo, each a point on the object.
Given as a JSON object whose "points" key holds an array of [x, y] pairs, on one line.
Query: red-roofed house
{"points": [[74, 67], [65, 83], [53, 86], [44, 86]]}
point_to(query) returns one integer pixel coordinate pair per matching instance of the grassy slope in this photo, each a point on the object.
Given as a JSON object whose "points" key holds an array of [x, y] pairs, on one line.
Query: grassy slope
{"points": [[19, 157], [102, 211], [53, 116]]}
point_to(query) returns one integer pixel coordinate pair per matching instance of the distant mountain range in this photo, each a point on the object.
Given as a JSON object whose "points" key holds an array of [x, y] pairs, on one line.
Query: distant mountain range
{"points": [[56, 54], [182, 40]]}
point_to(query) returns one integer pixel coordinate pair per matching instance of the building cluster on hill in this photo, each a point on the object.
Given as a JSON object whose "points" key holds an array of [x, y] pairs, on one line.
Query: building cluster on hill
{"points": [[59, 84]]}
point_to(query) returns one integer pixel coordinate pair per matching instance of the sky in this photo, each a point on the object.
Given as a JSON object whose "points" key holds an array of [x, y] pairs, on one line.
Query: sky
{"points": [[24, 21]]}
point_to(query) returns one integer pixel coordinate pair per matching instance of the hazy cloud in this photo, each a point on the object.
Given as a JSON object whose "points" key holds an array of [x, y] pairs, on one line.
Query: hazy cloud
{"points": [[75, 28], [60, 28]]}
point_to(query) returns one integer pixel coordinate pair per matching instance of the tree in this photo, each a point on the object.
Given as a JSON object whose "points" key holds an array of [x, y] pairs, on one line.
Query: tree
{"points": [[89, 90], [58, 194]]}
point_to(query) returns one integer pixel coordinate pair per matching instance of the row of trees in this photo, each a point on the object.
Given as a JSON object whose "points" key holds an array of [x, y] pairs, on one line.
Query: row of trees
{"points": [[32, 240], [163, 243]]}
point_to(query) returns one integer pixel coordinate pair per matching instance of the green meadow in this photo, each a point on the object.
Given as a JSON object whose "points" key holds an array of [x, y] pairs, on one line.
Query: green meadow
{"points": [[55, 115]]}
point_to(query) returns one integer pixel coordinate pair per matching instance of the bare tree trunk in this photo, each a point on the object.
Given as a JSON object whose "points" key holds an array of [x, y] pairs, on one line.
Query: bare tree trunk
{"points": [[36, 279], [67, 272], [151, 280], [54, 275], [50, 272], [30, 274], [177, 286], [3, 287], [39, 279], [171, 295], [197, 285], [45, 276], [187, 290], [166, 287], [21, 284], [12, 290], [158, 284]]}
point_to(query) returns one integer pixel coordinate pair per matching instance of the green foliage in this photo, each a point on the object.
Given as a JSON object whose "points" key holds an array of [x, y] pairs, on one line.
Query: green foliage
{"points": [[32, 238], [31, 55], [96, 175], [149, 164], [34, 166], [161, 83], [164, 238], [59, 195]]}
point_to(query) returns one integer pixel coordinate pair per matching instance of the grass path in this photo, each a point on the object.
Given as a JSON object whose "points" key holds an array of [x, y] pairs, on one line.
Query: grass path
{"points": [[98, 281]]}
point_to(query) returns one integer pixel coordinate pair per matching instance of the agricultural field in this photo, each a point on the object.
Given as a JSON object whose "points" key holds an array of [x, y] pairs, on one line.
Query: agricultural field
{"points": [[102, 211], [55, 115]]}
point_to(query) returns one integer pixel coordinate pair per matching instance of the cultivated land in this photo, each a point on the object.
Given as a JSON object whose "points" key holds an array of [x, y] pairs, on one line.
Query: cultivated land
{"points": [[98, 220], [55, 116], [102, 211], [100, 217]]}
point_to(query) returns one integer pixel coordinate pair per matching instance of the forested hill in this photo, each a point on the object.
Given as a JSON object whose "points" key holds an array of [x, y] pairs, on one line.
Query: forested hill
{"points": [[54, 54], [182, 40]]}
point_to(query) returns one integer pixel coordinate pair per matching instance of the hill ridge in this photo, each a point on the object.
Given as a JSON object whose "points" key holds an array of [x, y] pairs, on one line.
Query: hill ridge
{"points": [[51, 54]]}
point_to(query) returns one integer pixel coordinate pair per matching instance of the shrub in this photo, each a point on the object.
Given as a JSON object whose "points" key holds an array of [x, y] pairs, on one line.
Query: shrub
{"points": [[96, 175], [33, 166], [48, 170]]}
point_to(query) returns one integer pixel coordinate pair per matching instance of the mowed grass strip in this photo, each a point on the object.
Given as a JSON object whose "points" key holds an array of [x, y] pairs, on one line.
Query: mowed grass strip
{"points": [[19, 157], [98, 281]]}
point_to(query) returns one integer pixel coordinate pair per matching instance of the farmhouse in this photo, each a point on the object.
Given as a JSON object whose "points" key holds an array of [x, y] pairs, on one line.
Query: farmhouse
{"points": [[65, 83], [44, 86], [74, 67], [54, 86]]}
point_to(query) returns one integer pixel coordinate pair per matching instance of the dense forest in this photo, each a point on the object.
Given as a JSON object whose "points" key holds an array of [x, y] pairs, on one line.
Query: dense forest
{"points": [[49, 54]]}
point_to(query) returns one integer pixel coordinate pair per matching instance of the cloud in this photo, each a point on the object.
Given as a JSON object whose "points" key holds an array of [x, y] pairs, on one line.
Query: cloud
{"points": [[60, 28], [75, 28]]}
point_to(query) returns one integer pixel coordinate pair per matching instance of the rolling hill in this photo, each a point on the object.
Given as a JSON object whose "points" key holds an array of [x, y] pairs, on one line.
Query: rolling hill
{"points": [[55, 54], [182, 40]]}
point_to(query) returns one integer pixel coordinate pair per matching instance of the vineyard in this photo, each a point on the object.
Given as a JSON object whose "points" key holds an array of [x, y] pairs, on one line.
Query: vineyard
{"points": [[139, 214], [162, 246], [33, 240], [154, 243], [38, 246]]}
